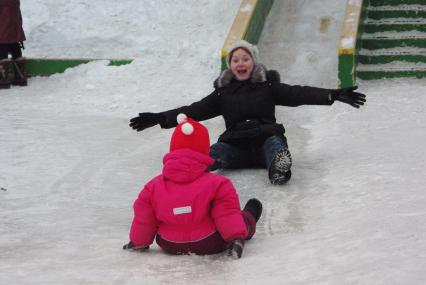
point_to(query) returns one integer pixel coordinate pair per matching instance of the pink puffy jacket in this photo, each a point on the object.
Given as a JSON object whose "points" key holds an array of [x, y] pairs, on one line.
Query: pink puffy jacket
{"points": [[187, 203]]}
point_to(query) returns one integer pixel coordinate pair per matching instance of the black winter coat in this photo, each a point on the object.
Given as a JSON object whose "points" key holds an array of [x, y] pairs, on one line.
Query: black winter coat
{"points": [[248, 107]]}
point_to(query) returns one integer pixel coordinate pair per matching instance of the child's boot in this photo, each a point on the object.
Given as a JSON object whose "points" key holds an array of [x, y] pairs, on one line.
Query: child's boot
{"points": [[5, 66], [279, 171], [254, 207], [20, 72]]}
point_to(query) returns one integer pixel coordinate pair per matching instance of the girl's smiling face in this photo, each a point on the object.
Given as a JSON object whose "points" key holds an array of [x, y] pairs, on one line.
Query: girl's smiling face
{"points": [[241, 64]]}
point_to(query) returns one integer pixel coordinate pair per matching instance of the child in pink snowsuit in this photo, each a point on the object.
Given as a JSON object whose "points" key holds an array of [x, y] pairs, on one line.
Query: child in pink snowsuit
{"points": [[188, 209]]}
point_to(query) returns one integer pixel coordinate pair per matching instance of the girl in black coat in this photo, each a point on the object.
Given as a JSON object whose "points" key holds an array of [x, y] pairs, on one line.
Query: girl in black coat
{"points": [[246, 95]]}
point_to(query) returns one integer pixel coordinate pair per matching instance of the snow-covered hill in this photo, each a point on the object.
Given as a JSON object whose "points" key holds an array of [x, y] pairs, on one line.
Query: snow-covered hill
{"points": [[70, 167]]}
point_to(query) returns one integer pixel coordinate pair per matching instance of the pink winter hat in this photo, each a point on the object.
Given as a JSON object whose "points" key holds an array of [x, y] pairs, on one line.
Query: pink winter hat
{"points": [[190, 134]]}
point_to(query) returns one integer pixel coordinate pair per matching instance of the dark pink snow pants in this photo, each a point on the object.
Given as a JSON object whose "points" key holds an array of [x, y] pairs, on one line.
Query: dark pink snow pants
{"points": [[210, 245]]}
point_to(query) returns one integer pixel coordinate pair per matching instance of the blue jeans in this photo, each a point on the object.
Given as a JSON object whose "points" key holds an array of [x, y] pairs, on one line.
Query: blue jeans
{"points": [[248, 155]]}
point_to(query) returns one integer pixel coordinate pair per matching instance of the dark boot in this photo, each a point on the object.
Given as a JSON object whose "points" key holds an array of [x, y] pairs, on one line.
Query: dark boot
{"points": [[279, 171], [5, 66], [254, 207], [20, 72]]}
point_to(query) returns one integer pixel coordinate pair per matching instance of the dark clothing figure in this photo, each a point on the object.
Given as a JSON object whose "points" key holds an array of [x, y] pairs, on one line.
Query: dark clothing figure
{"points": [[253, 138], [11, 31], [12, 37], [245, 96], [248, 107]]}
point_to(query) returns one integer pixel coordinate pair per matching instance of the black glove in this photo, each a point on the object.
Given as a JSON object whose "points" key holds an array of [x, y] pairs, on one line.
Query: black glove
{"points": [[131, 246], [348, 96], [146, 120], [235, 248]]}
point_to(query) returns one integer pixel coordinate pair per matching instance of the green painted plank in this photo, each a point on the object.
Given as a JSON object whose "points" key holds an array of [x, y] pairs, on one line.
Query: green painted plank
{"points": [[46, 67], [378, 15], [382, 59], [370, 75], [258, 20], [396, 2], [223, 65], [391, 43], [346, 70], [376, 28], [118, 62]]}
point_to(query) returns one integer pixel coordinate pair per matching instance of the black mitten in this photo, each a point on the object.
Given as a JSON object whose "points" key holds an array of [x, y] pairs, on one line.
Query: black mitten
{"points": [[235, 248], [146, 120], [131, 246], [348, 96]]}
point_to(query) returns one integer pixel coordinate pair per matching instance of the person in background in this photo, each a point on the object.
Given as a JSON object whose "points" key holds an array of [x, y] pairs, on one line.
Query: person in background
{"points": [[188, 209], [12, 37], [245, 95]]}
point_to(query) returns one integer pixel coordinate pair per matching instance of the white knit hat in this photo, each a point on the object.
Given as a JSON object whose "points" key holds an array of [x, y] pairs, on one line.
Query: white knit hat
{"points": [[252, 49]]}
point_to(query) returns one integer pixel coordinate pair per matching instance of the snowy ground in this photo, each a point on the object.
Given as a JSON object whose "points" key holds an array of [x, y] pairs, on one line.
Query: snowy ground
{"points": [[70, 167]]}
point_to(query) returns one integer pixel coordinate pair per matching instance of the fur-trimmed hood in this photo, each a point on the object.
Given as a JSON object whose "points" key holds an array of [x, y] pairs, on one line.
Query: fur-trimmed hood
{"points": [[259, 74]]}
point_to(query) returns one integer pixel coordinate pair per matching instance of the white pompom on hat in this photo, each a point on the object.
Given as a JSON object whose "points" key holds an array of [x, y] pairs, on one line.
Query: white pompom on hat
{"points": [[190, 134], [187, 129], [181, 117], [251, 49]]}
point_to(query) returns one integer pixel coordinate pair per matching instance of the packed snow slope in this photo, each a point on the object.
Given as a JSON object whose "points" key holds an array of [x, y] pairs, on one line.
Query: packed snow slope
{"points": [[70, 167]]}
